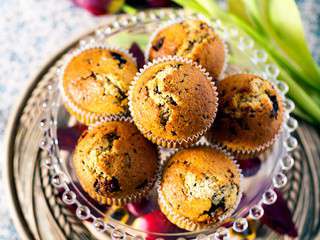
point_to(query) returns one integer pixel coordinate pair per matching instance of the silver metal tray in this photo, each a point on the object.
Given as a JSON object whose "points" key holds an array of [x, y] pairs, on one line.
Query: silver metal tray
{"points": [[39, 212]]}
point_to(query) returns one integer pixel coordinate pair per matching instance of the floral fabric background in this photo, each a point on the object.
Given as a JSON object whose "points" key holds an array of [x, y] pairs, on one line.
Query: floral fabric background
{"points": [[33, 30]]}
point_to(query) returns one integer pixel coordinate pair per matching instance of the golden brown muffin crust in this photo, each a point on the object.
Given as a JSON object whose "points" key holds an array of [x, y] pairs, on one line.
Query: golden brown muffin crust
{"points": [[114, 160], [97, 81], [200, 184], [173, 100], [250, 113], [193, 39]]}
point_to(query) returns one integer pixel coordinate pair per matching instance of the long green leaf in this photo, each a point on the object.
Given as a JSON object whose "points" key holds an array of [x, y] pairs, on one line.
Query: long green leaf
{"points": [[192, 5], [301, 98], [211, 7], [238, 8], [282, 21], [257, 11], [253, 11], [129, 9], [302, 115]]}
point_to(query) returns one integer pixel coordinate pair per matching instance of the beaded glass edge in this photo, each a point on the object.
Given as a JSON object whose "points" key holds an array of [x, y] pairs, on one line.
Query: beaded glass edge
{"points": [[49, 141]]}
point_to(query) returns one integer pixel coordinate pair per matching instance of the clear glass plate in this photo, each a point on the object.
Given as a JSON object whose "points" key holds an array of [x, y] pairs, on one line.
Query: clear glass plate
{"points": [[260, 176]]}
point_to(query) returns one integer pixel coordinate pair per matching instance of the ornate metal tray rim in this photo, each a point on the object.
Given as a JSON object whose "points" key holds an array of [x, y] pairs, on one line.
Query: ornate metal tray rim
{"points": [[11, 129]]}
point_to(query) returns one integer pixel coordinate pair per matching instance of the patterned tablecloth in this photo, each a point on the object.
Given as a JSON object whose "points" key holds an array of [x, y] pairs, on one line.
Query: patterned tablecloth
{"points": [[32, 30]]}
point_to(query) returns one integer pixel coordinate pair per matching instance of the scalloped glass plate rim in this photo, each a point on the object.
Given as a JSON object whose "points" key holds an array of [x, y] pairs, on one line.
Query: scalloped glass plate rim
{"points": [[140, 18]]}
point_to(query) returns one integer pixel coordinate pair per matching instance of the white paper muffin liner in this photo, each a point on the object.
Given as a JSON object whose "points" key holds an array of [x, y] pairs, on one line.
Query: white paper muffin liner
{"points": [[184, 222], [159, 140], [250, 153], [80, 114], [179, 20], [133, 197]]}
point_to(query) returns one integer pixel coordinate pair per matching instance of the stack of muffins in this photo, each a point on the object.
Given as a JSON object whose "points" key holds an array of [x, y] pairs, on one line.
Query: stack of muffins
{"points": [[174, 100]]}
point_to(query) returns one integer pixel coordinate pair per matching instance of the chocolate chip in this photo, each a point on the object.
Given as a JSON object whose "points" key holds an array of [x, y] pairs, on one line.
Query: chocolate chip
{"points": [[173, 133], [88, 61], [186, 163], [96, 185], [93, 75], [275, 106], [231, 173], [170, 164], [170, 100], [179, 65], [158, 44], [110, 138], [147, 91], [119, 58], [164, 115], [122, 95], [202, 26], [190, 44], [214, 207], [112, 185], [156, 90]]}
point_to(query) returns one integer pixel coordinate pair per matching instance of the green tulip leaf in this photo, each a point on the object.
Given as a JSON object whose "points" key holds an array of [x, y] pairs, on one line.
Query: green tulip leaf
{"points": [[238, 8], [252, 7], [283, 22]]}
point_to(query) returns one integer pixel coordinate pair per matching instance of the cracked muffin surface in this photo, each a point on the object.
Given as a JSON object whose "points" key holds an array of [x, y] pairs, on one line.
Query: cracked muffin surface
{"points": [[199, 184], [172, 100], [251, 113], [193, 39], [114, 160], [97, 81]]}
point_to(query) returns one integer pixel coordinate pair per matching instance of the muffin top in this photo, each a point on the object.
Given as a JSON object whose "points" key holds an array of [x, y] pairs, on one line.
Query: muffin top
{"points": [[97, 80], [173, 100], [193, 39], [250, 115], [201, 184], [114, 160]]}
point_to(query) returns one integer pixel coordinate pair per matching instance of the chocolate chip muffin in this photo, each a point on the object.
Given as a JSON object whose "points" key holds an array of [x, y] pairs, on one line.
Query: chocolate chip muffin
{"points": [[200, 187], [95, 83], [193, 39], [250, 115], [114, 163], [173, 102]]}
